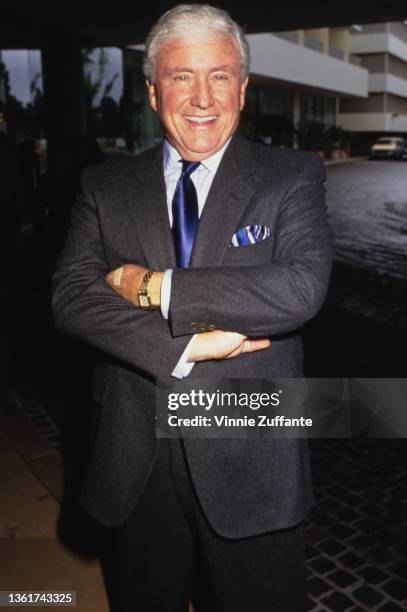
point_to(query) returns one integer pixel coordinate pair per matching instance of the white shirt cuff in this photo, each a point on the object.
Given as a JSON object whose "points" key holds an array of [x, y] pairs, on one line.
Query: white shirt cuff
{"points": [[183, 367], [165, 293]]}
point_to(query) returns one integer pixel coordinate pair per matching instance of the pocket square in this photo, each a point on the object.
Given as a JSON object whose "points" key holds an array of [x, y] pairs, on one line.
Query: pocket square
{"points": [[250, 234]]}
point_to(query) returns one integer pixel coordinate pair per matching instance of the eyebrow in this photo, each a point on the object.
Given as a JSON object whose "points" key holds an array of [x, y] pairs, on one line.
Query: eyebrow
{"points": [[223, 67], [188, 69], [179, 69]]}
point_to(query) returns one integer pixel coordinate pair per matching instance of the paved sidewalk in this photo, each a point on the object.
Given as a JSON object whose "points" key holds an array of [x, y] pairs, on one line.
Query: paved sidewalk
{"points": [[32, 557], [357, 531]]}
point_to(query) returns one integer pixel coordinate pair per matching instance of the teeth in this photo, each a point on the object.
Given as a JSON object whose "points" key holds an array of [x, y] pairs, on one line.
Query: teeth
{"points": [[200, 119]]}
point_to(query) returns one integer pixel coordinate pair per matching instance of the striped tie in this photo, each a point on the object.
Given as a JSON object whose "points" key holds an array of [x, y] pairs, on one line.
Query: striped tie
{"points": [[185, 214]]}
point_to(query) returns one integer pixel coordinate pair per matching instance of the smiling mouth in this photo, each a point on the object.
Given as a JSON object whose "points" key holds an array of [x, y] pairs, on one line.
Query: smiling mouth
{"points": [[200, 120]]}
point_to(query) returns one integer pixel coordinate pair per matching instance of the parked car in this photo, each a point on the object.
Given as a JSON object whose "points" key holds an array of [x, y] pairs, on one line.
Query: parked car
{"points": [[389, 147]]}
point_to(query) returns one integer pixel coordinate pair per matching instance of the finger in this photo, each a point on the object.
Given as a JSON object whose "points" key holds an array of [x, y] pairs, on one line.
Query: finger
{"points": [[235, 336], [250, 346], [234, 353]]}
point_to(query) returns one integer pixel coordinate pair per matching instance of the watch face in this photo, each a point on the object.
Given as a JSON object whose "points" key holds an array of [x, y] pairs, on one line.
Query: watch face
{"points": [[144, 301]]}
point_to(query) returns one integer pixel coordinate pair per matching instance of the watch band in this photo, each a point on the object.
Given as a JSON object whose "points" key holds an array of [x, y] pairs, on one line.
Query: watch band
{"points": [[143, 295]]}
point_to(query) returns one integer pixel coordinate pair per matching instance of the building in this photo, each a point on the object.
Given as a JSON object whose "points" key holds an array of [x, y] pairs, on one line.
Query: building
{"points": [[300, 76], [382, 50]]}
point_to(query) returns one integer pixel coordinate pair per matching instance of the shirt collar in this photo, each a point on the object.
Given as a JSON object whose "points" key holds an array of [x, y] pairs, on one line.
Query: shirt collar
{"points": [[172, 157]]}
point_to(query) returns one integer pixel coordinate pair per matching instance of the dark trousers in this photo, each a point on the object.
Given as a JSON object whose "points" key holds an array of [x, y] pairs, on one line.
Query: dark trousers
{"points": [[166, 554]]}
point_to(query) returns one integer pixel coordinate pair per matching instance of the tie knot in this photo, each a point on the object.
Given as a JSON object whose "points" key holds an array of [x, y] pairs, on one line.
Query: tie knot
{"points": [[188, 167]]}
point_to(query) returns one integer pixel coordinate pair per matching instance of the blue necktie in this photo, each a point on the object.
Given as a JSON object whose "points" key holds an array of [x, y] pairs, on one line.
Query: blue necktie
{"points": [[185, 214]]}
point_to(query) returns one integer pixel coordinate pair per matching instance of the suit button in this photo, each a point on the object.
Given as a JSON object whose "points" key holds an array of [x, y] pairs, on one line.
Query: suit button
{"points": [[199, 327]]}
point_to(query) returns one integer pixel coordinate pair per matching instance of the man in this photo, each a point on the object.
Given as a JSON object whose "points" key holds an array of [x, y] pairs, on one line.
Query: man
{"points": [[240, 250]]}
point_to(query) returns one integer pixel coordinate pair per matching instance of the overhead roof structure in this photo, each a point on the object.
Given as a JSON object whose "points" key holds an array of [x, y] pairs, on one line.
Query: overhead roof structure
{"points": [[123, 22], [61, 30]]}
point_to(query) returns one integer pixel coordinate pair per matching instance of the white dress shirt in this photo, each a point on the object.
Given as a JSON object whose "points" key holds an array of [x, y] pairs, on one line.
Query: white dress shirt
{"points": [[202, 179]]}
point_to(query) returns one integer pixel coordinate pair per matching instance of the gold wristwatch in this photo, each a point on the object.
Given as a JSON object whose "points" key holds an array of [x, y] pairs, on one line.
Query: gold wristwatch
{"points": [[143, 295]]}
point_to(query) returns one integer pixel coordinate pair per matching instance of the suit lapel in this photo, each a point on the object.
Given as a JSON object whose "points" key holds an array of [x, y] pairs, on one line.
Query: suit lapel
{"points": [[230, 192], [148, 209]]}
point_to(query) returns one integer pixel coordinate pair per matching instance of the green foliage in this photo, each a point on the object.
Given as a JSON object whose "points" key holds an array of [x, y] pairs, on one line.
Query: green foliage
{"points": [[317, 136], [311, 135]]}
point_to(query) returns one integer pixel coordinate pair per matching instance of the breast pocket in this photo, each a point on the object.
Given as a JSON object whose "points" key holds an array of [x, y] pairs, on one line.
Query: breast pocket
{"points": [[252, 255]]}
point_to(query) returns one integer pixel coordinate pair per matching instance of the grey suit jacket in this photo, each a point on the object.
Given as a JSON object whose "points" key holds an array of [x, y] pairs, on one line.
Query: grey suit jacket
{"points": [[272, 288]]}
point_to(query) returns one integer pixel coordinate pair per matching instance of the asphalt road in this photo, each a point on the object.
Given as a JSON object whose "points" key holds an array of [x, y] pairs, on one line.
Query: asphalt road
{"points": [[367, 204], [362, 330]]}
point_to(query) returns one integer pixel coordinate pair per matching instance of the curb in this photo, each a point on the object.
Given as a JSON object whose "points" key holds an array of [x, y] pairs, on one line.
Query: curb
{"points": [[334, 162]]}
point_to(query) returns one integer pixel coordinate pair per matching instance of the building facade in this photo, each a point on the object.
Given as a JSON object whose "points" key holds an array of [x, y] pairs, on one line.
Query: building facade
{"points": [[382, 50], [298, 78]]}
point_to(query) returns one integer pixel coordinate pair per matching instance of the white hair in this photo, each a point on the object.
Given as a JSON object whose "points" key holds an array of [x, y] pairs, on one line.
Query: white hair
{"points": [[187, 20]]}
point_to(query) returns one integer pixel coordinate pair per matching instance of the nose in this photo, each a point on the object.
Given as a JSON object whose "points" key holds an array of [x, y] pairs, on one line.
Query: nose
{"points": [[202, 96]]}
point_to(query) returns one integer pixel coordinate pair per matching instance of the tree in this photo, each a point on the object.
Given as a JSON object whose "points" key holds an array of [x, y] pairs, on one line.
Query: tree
{"points": [[100, 108]]}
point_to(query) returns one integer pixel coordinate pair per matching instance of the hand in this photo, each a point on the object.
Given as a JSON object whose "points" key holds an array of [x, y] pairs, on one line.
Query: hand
{"points": [[219, 344], [127, 279]]}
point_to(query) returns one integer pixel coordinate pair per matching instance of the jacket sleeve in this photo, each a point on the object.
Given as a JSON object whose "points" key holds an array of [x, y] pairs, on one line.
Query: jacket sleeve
{"points": [[273, 298], [87, 308]]}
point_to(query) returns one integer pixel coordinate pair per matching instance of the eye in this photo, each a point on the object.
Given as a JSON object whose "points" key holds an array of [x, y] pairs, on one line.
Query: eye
{"points": [[181, 77], [219, 76]]}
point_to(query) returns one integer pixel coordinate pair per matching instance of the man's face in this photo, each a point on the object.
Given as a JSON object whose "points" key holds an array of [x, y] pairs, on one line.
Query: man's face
{"points": [[198, 93]]}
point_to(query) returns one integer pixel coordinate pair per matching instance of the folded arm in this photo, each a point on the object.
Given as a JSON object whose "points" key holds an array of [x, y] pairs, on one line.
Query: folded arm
{"points": [[267, 299], [87, 305], [272, 298]]}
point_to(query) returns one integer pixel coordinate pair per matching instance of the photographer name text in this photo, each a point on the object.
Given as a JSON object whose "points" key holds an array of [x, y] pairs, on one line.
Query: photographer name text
{"points": [[259, 420]]}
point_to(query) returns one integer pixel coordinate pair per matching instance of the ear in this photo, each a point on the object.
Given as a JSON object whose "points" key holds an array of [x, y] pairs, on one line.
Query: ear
{"points": [[152, 96], [243, 87]]}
